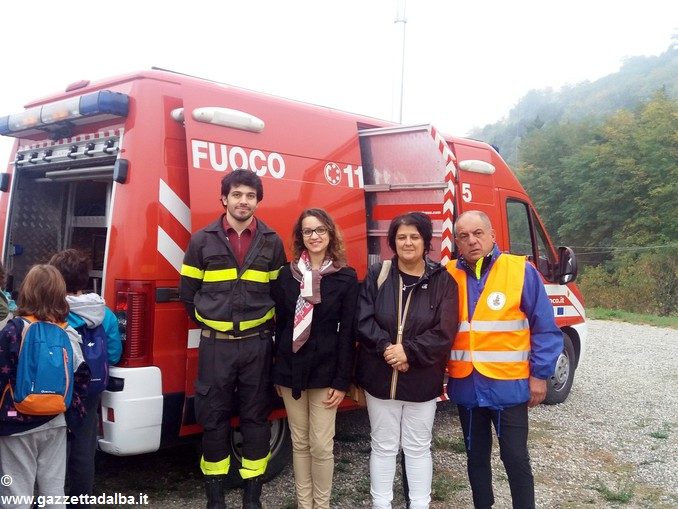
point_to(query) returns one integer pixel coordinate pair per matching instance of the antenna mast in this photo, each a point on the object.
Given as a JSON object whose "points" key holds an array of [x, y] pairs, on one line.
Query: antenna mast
{"points": [[400, 18]]}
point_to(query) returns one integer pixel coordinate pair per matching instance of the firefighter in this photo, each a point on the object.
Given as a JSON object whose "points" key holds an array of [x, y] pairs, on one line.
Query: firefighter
{"points": [[504, 351], [225, 286]]}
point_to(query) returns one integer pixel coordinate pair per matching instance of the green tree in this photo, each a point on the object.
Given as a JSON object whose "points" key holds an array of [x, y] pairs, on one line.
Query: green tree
{"points": [[611, 191], [610, 185]]}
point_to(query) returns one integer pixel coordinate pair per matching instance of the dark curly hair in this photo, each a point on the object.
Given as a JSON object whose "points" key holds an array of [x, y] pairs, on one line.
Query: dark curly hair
{"points": [[242, 178], [335, 249]]}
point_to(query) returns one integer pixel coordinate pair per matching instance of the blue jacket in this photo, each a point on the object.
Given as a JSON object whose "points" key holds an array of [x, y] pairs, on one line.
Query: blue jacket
{"points": [[546, 342], [89, 309]]}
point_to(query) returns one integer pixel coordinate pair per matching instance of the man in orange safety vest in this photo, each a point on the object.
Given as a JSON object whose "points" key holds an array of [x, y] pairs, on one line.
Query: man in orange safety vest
{"points": [[504, 352]]}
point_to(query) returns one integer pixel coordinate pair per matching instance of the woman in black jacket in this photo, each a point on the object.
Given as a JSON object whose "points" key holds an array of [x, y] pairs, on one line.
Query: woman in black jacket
{"points": [[406, 319], [315, 298]]}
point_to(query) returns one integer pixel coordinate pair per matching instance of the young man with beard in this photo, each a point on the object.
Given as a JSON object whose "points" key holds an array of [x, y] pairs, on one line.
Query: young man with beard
{"points": [[225, 285]]}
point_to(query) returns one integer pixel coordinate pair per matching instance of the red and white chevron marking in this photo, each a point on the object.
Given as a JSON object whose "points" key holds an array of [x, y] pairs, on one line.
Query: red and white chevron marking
{"points": [[448, 197], [174, 229]]}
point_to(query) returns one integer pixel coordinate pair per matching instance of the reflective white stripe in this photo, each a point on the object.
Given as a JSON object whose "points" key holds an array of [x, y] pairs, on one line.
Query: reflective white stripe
{"points": [[174, 205], [193, 338], [170, 249], [494, 325], [489, 356], [502, 356], [460, 355], [499, 325]]}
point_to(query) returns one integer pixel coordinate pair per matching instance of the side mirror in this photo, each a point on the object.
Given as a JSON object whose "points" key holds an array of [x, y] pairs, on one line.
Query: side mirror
{"points": [[567, 265]]}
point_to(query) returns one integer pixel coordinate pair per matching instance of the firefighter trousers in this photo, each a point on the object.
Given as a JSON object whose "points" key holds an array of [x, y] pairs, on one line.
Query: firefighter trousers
{"points": [[234, 377]]}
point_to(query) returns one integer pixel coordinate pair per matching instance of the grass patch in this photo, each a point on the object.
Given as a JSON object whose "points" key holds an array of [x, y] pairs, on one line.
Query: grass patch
{"points": [[663, 433], [455, 444], [443, 488], [627, 316], [622, 492]]}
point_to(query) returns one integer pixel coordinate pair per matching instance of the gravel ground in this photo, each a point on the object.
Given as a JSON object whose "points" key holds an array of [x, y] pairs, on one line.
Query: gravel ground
{"points": [[613, 443]]}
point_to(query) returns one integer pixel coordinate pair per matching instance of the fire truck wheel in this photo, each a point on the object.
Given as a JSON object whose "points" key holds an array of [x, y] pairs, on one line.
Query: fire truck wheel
{"points": [[281, 453], [561, 382]]}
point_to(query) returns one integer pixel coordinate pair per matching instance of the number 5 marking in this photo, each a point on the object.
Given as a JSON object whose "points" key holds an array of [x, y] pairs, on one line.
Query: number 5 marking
{"points": [[466, 192]]}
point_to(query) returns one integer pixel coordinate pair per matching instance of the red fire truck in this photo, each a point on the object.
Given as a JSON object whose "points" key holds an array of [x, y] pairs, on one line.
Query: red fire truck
{"points": [[127, 168]]}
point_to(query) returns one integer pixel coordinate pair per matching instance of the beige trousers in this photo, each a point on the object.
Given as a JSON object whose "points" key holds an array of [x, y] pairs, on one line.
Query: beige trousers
{"points": [[312, 428]]}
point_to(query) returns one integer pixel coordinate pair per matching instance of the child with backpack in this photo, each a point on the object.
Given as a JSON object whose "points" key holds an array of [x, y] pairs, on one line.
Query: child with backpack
{"points": [[32, 422], [101, 346]]}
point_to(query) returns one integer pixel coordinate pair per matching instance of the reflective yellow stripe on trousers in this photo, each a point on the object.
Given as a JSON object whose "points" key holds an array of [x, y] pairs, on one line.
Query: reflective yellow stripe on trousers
{"points": [[254, 468], [215, 467]]}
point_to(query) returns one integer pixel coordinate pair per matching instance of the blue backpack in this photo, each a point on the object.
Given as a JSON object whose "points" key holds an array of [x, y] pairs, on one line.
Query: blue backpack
{"points": [[44, 379], [96, 356]]}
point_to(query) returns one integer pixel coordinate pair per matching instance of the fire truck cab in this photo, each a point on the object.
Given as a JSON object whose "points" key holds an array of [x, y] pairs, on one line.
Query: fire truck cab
{"points": [[127, 168]]}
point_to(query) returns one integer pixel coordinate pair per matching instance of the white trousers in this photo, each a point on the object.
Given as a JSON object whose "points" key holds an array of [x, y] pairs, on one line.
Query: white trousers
{"points": [[394, 423]]}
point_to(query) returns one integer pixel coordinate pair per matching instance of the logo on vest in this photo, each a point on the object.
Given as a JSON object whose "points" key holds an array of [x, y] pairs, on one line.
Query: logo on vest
{"points": [[496, 301]]}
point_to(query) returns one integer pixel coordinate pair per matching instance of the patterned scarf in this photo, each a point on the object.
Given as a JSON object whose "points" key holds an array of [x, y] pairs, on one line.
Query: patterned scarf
{"points": [[309, 295]]}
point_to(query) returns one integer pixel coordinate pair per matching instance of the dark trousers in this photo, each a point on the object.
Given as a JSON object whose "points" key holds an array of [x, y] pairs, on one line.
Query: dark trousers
{"points": [[230, 372], [82, 445], [512, 429]]}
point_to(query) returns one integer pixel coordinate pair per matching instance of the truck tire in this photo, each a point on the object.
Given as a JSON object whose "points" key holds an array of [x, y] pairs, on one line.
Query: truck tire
{"points": [[281, 453], [560, 383]]}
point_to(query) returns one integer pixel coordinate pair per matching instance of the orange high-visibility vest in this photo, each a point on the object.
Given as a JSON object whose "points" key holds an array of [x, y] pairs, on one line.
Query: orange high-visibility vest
{"points": [[496, 340]]}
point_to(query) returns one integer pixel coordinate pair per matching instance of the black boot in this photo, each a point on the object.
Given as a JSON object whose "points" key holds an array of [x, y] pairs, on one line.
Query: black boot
{"points": [[252, 493], [214, 489]]}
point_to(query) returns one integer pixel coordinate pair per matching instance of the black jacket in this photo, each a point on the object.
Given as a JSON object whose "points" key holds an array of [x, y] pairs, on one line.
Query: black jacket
{"points": [[225, 301], [326, 359], [430, 325]]}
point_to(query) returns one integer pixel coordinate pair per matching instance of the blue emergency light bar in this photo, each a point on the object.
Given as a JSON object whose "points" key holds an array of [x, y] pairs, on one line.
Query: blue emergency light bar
{"points": [[58, 118]]}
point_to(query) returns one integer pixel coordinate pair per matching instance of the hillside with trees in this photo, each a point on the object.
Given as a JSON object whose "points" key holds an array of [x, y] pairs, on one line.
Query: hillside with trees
{"points": [[637, 80], [600, 161]]}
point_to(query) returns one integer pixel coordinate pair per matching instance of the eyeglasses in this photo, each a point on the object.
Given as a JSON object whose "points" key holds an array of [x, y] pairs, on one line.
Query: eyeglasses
{"points": [[465, 238], [320, 230]]}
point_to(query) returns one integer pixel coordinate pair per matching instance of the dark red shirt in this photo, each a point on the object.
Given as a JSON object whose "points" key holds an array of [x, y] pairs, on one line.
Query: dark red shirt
{"points": [[240, 243]]}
